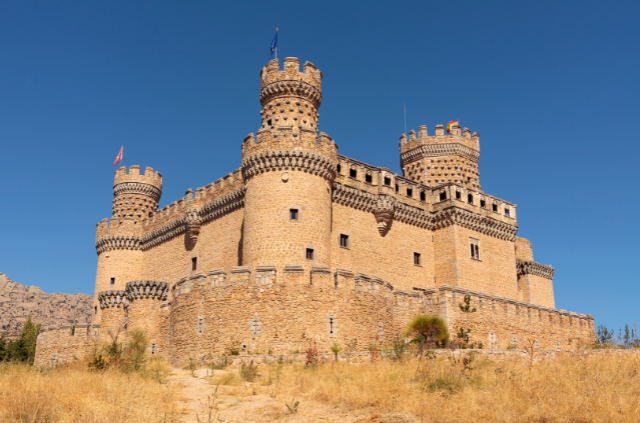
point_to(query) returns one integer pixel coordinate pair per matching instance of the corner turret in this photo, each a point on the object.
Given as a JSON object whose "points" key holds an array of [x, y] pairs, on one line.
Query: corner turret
{"points": [[442, 158]]}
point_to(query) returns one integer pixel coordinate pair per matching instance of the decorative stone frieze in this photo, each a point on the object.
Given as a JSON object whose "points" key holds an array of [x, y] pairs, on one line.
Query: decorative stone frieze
{"points": [[137, 188], [279, 160], [473, 221], [223, 205], [355, 198], [118, 242], [164, 233], [433, 150], [113, 298], [533, 268], [154, 290], [288, 88]]}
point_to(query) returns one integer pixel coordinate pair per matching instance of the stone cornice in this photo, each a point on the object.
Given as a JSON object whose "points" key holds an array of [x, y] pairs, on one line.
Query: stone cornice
{"points": [[278, 160], [533, 268], [466, 219], [117, 242], [153, 290], [223, 205], [137, 188], [288, 88], [433, 150], [113, 298], [164, 233], [386, 208]]}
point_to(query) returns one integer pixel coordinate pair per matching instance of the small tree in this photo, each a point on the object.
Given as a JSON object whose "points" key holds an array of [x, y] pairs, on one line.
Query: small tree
{"points": [[3, 347], [464, 333], [24, 348], [426, 330], [335, 349]]}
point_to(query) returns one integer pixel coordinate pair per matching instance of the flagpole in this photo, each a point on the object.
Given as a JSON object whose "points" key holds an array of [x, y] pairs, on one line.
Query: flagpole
{"points": [[276, 43]]}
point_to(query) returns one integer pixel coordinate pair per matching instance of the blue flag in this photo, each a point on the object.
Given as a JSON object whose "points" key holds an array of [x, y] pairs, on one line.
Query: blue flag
{"points": [[274, 46]]}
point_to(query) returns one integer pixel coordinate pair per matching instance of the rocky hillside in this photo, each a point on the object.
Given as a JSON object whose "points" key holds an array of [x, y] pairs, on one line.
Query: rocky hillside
{"points": [[18, 302]]}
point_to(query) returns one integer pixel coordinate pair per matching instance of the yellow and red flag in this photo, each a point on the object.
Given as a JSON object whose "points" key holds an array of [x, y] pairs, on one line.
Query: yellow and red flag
{"points": [[451, 122], [119, 157]]}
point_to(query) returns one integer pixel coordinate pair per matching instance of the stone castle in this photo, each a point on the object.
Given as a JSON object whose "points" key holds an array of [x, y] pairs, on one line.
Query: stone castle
{"points": [[301, 243]]}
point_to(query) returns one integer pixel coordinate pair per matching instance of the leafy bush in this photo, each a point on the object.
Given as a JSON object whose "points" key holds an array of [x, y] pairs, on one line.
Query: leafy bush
{"points": [[427, 331], [24, 348]]}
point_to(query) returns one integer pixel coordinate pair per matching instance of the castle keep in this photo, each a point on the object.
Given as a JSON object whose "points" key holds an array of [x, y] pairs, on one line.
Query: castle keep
{"points": [[302, 243]]}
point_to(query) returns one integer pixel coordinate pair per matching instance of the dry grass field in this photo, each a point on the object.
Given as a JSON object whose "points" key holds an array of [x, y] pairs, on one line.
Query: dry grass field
{"points": [[575, 388]]}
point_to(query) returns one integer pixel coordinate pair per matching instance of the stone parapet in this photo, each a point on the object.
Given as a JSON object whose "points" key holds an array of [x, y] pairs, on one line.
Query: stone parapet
{"points": [[283, 160], [154, 290], [113, 298]]}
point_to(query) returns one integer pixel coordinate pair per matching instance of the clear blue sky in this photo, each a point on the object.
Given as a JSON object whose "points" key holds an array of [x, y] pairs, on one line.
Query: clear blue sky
{"points": [[551, 86]]}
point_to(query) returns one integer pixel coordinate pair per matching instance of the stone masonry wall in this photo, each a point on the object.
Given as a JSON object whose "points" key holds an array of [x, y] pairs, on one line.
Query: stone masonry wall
{"points": [[63, 343]]}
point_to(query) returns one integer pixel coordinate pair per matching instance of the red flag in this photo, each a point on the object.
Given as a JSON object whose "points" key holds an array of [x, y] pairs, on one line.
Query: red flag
{"points": [[119, 158], [451, 122]]}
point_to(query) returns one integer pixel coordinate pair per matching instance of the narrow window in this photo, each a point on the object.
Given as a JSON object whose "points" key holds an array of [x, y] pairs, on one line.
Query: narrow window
{"points": [[474, 246], [96, 310], [409, 192], [331, 322], [423, 196], [495, 207], [344, 241], [417, 261], [506, 212], [458, 195], [293, 214], [339, 168], [309, 253], [269, 122], [194, 264], [470, 198], [353, 173], [387, 181], [443, 195], [397, 188], [153, 348], [483, 204], [368, 178], [113, 281]]}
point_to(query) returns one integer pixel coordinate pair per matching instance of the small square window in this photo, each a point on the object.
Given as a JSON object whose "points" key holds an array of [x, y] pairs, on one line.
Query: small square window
{"points": [[470, 198], [309, 254], [423, 196], [194, 264], [458, 195], [443, 195], [113, 281], [368, 178], [387, 181], [495, 207], [417, 259], [294, 214], [353, 173], [409, 192], [339, 168], [344, 241], [483, 204], [506, 212]]}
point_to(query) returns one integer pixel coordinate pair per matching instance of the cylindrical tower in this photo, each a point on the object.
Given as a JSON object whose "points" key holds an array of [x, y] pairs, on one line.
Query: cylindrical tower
{"points": [[118, 245], [144, 312], [136, 195], [113, 305], [288, 173]]}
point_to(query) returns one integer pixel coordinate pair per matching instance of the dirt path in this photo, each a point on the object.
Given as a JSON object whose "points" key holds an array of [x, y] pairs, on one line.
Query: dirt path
{"points": [[254, 403]]}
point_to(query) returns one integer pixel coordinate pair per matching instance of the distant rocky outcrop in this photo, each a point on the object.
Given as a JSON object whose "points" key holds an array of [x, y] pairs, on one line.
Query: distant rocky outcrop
{"points": [[19, 302]]}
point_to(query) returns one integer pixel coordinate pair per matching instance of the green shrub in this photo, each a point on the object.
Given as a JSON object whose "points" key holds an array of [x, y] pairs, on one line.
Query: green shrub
{"points": [[249, 371]]}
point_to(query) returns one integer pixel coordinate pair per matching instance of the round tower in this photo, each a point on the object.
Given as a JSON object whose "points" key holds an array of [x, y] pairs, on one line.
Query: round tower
{"points": [[288, 171], [136, 195], [118, 240]]}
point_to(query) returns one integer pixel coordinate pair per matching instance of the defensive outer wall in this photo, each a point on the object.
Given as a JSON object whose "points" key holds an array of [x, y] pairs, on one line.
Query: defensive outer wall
{"points": [[301, 243]]}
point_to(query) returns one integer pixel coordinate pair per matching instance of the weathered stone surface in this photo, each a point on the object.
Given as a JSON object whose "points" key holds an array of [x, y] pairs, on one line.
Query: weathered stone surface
{"points": [[19, 302]]}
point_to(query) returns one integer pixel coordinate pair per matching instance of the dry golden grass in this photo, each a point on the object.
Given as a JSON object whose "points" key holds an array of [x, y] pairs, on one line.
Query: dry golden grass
{"points": [[74, 394], [572, 389]]}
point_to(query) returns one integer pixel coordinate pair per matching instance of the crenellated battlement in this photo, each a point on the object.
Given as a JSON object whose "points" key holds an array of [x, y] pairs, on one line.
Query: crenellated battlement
{"points": [[462, 136], [271, 73], [133, 175]]}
